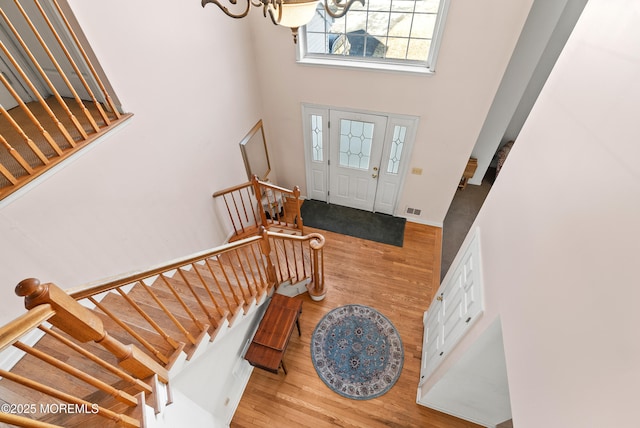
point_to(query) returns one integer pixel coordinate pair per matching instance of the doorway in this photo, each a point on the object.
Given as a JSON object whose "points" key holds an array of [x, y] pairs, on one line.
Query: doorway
{"points": [[356, 159]]}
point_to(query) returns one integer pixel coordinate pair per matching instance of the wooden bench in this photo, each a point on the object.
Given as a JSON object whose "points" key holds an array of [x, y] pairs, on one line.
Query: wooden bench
{"points": [[274, 331]]}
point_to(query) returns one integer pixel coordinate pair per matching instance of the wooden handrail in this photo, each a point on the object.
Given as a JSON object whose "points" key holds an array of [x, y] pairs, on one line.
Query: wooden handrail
{"points": [[232, 189], [12, 331], [129, 278], [21, 421]]}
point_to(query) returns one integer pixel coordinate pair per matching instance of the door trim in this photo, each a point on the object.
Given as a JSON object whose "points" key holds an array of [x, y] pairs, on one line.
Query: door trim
{"points": [[317, 173]]}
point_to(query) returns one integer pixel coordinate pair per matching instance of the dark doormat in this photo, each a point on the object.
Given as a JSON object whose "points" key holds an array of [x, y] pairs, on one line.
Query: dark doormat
{"points": [[377, 227]]}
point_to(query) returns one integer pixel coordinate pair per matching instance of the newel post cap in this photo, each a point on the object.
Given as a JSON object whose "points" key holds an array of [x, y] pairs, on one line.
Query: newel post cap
{"points": [[31, 289]]}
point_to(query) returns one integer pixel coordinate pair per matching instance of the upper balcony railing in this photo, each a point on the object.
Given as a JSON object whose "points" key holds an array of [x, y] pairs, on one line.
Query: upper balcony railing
{"points": [[53, 100]]}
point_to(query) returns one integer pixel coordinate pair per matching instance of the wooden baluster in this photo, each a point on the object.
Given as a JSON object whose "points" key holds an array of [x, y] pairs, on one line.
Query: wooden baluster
{"points": [[251, 198], [257, 258], [119, 395], [14, 153], [120, 418], [171, 341], [195, 320], [235, 206], [7, 174], [286, 259], [31, 116], [226, 277], [173, 319], [43, 75], [195, 295], [63, 130], [304, 258], [75, 67], [224, 296], [280, 277], [208, 290], [233, 222], [258, 192], [244, 273], [86, 60], [55, 63], [83, 325], [159, 355], [34, 148], [99, 361]]}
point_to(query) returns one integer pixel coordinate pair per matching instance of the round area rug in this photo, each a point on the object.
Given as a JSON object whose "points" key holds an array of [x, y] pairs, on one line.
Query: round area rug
{"points": [[357, 352]]}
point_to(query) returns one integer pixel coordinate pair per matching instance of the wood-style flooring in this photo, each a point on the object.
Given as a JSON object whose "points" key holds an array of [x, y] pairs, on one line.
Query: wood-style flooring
{"points": [[399, 283]]}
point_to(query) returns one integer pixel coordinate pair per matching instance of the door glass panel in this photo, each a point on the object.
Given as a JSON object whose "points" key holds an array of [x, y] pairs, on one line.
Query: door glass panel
{"points": [[316, 137], [355, 143], [399, 136]]}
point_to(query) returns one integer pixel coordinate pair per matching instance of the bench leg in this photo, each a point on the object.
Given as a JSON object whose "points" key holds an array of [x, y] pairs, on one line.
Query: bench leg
{"points": [[283, 367]]}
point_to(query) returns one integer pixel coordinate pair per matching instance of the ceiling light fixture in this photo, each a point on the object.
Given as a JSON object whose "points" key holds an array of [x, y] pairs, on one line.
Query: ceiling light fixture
{"points": [[289, 13]]}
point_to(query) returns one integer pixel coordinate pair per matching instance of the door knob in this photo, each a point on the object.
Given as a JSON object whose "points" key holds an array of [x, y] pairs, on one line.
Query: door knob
{"points": [[439, 298], [374, 175], [375, 168]]}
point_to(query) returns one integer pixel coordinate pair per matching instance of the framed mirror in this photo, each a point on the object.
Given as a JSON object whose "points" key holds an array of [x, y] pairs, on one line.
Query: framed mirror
{"points": [[254, 153]]}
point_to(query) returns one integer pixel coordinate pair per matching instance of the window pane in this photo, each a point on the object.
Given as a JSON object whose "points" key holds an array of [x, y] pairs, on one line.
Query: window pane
{"points": [[382, 29], [399, 136], [316, 137], [355, 143]]}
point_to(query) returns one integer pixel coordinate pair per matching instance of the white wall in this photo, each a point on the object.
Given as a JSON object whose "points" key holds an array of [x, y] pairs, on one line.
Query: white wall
{"points": [[561, 237], [479, 38], [143, 195]]}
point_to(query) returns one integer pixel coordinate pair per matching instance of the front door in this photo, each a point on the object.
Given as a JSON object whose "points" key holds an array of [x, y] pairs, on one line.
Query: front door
{"points": [[356, 159], [357, 140]]}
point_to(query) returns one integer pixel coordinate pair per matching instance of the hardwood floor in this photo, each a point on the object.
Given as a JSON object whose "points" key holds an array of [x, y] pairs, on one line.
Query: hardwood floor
{"points": [[399, 283]]}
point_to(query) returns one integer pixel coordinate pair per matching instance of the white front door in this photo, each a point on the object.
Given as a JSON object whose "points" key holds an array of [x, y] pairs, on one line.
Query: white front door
{"points": [[356, 159], [357, 140]]}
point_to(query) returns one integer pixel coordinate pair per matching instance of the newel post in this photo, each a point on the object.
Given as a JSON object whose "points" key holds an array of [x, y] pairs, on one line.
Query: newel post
{"points": [[316, 288], [266, 252], [258, 192], [83, 325]]}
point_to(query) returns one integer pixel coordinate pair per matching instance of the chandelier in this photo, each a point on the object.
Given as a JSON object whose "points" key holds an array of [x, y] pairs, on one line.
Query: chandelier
{"points": [[289, 13]]}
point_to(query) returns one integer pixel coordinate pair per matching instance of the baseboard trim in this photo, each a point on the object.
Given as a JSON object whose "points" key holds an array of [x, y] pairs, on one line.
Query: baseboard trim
{"points": [[425, 222]]}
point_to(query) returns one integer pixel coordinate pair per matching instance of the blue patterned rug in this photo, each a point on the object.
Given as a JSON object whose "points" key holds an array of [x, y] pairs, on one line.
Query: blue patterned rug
{"points": [[357, 352]]}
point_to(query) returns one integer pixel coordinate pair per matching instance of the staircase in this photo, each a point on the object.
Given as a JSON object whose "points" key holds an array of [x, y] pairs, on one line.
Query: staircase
{"points": [[105, 354]]}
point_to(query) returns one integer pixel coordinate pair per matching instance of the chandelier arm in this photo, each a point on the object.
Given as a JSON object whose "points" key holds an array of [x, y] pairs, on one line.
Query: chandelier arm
{"points": [[342, 8], [276, 7], [226, 10]]}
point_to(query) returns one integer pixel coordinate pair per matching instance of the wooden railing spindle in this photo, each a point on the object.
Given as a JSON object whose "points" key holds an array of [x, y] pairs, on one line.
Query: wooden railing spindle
{"points": [[106, 94], [159, 355], [118, 394], [99, 361], [78, 72], [171, 341], [120, 418], [55, 63], [222, 293], [195, 320], [43, 74], [205, 285], [164, 308]]}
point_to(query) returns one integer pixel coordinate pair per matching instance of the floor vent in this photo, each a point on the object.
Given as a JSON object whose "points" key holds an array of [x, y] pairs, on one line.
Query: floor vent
{"points": [[414, 211]]}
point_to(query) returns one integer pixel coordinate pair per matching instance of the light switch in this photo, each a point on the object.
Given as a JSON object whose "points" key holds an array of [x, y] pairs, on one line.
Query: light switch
{"points": [[416, 171]]}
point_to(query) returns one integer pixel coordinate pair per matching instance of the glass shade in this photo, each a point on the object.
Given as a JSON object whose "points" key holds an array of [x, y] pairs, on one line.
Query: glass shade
{"points": [[297, 14]]}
